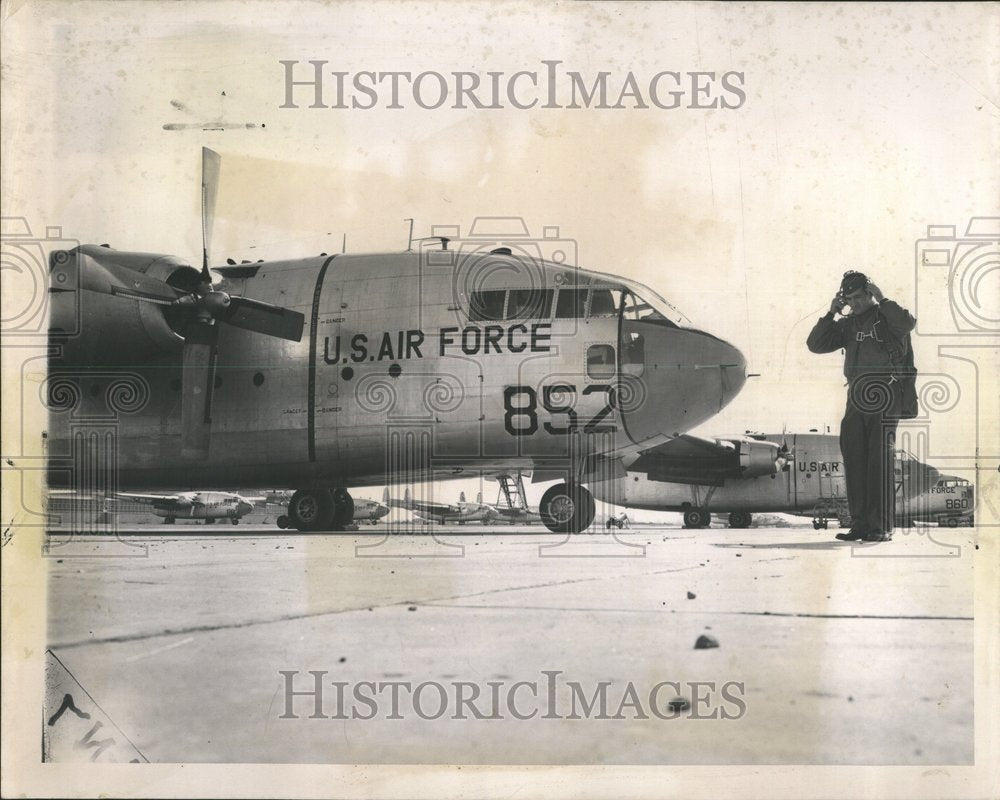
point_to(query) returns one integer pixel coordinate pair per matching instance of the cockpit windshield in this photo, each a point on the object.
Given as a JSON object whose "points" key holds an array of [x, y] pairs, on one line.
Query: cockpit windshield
{"points": [[635, 309], [585, 296]]}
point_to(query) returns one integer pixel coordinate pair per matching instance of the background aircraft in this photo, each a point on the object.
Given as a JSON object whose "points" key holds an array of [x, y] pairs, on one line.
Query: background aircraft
{"points": [[318, 372], [799, 474], [460, 512], [208, 506]]}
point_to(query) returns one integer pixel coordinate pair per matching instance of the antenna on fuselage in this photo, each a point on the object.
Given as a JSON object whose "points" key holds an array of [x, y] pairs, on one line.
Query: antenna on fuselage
{"points": [[409, 239], [443, 239]]}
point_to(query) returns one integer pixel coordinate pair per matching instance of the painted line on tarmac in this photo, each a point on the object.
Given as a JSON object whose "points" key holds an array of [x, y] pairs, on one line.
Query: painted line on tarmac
{"points": [[158, 650], [434, 601], [618, 610]]}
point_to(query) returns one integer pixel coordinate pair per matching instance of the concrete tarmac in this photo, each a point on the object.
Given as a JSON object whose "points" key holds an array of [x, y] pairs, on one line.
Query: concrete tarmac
{"points": [[827, 653]]}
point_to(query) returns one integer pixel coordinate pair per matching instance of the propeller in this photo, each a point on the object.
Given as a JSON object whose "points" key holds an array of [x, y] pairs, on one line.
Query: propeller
{"points": [[785, 455], [206, 309]]}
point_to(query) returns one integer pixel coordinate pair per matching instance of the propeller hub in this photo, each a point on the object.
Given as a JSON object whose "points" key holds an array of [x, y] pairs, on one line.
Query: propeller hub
{"points": [[215, 302]]}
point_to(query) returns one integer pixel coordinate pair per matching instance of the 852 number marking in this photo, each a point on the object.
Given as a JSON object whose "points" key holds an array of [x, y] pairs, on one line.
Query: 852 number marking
{"points": [[558, 399]]}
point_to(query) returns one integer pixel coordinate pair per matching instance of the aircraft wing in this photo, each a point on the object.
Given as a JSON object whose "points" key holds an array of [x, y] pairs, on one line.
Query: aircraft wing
{"points": [[150, 499], [420, 507], [710, 462], [434, 509]]}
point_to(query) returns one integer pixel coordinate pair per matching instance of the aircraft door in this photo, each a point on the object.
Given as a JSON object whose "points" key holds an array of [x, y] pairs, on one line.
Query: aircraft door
{"points": [[330, 365]]}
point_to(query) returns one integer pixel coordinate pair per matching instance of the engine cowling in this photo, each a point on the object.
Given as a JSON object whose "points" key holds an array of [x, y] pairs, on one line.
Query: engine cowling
{"points": [[96, 313], [760, 458]]}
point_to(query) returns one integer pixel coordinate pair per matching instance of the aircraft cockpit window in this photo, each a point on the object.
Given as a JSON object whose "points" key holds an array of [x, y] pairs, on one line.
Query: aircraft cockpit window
{"points": [[604, 302], [487, 305], [529, 304], [600, 361], [571, 303], [635, 308]]}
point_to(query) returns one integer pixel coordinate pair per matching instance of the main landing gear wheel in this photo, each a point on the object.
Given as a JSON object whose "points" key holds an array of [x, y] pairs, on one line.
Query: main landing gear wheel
{"points": [[567, 509], [740, 519], [235, 521], [343, 508], [282, 522], [697, 518], [311, 510]]}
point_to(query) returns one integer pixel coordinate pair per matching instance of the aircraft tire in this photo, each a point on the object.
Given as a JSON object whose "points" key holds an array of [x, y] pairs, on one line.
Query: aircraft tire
{"points": [[235, 521], [567, 509], [343, 508], [697, 518], [740, 519], [282, 522], [311, 510]]}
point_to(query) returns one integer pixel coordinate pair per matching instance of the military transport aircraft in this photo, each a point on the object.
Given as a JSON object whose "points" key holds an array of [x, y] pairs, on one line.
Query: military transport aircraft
{"points": [[800, 474], [460, 512], [337, 371], [208, 506]]}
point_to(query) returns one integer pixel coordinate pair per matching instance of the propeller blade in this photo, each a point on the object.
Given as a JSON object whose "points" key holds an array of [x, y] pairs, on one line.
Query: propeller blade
{"points": [[197, 386], [210, 163], [254, 315], [143, 297]]}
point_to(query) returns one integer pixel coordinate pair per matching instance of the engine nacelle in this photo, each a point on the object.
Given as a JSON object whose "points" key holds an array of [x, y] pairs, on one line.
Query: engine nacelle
{"points": [[112, 324], [760, 458]]}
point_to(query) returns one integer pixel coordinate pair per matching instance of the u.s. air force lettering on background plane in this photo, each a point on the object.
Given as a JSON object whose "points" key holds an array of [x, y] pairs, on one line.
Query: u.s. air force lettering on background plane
{"points": [[286, 373]]}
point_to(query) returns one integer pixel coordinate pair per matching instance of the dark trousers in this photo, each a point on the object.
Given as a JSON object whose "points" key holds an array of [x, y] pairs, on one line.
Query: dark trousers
{"points": [[867, 443]]}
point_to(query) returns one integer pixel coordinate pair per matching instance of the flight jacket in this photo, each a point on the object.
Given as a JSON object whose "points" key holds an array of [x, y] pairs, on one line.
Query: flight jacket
{"points": [[868, 339]]}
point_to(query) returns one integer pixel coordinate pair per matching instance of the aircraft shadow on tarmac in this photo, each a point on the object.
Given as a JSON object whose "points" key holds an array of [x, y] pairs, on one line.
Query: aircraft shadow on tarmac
{"points": [[823, 545]]}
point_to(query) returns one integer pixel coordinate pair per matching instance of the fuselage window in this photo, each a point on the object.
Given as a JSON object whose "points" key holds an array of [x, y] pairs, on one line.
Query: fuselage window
{"points": [[487, 305], [604, 302], [570, 303], [600, 361], [529, 304]]}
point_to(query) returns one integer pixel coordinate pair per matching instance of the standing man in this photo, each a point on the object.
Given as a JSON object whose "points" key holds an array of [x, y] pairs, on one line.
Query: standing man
{"points": [[869, 333]]}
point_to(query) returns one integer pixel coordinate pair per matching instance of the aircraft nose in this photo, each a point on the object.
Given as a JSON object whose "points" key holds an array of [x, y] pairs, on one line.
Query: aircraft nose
{"points": [[245, 507], [686, 377]]}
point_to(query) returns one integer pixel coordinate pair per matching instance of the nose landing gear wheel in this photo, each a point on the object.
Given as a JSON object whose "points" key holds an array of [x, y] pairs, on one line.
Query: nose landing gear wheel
{"points": [[567, 509], [282, 522]]}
